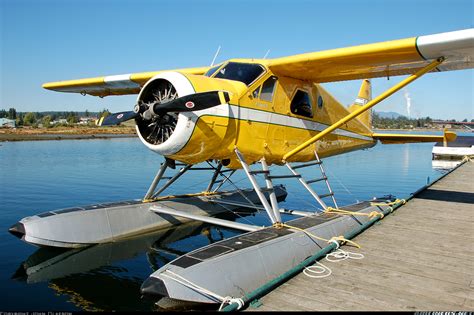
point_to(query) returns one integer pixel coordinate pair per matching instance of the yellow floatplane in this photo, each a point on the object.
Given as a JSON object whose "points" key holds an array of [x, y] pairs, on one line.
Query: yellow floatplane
{"points": [[235, 114]]}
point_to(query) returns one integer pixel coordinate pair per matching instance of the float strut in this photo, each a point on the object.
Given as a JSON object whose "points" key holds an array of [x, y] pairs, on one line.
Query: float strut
{"points": [[156, 180], [256, 187], [173, 179], [214, 177]]}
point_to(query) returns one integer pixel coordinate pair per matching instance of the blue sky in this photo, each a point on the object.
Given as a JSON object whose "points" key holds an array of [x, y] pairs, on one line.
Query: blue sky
{"points": [[52, 40]]}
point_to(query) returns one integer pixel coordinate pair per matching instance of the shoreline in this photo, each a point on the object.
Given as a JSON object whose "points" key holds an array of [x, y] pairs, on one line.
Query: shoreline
{"points": [[62, 136], [77, 133]]}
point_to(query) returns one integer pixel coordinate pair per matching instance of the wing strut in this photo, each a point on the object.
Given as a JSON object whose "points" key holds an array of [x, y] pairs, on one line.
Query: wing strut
{"points": [[364, 108]]}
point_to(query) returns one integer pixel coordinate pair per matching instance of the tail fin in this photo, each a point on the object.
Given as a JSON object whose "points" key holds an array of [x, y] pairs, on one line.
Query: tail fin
{"points": [[365, 95]]}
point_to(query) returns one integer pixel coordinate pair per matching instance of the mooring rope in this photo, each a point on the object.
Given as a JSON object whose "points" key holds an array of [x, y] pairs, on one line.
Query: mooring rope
{"points": [[319, 270], [334, 239], [187, 283], [371, 215]]}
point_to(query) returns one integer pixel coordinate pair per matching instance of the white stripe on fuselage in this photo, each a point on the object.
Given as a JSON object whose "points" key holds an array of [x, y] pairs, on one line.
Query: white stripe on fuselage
{"points": [[250, 114]]}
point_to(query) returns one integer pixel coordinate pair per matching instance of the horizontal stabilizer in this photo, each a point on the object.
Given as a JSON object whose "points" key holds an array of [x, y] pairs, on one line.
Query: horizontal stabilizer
{"points": [[388, 138]]}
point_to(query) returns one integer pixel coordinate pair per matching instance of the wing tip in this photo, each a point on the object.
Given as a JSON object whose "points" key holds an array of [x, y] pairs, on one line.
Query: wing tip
{"points": [[48, 86]]}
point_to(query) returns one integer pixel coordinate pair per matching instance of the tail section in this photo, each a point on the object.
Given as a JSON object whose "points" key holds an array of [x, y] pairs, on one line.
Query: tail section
{"points": [[365, 95]]}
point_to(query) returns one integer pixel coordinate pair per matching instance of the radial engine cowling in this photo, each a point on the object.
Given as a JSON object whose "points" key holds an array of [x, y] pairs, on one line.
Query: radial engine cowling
{"points": [[170, 133]]}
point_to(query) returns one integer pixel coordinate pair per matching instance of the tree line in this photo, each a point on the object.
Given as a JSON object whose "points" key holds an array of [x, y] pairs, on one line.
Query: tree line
{"points": [[402, 122], [46, 118]]}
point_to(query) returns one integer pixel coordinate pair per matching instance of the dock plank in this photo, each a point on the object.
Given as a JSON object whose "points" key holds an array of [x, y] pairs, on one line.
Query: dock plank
{"points": [[363, 293], [419, 258]]}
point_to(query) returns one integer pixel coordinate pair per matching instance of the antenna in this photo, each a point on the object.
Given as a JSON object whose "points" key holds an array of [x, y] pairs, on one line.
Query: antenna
{"points": [[268, 51], [215, 56]]}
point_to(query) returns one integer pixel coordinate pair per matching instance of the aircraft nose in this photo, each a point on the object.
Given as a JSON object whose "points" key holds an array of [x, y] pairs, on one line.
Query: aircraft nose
{"points": [[18, 229], [154, 286]]}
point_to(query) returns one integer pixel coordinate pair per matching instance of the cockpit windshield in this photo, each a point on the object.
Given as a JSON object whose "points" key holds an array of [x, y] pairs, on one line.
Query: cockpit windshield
{"points": [[212, 70], [243, 72]]}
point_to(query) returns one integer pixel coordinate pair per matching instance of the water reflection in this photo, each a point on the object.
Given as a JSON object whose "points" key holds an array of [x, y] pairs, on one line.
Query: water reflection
{"points": [[109, 276]]}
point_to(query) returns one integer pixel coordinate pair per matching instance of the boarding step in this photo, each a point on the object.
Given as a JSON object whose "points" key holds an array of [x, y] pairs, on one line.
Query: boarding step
{"points": [[306, 183], [316, 180], [307, 164], [259, 172], [326, 195], [284, 176]]}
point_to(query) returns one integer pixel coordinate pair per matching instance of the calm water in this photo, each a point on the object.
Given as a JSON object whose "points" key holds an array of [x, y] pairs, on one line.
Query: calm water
{"points": [[46, 175]]}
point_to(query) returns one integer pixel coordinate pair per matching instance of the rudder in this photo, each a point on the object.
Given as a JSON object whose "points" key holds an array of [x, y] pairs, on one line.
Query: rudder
{"points": [[364, 96]]}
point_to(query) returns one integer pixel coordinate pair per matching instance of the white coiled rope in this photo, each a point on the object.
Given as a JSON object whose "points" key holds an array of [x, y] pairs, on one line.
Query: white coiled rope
{"points": [[318, 270]]}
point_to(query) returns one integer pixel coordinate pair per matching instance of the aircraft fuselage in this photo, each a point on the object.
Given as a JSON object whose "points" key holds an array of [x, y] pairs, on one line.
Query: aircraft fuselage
{"points": [[266, 118]]}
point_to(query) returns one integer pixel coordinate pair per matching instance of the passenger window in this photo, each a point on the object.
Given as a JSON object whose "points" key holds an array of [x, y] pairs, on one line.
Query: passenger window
{"points": [[301, 104], [320, 102], [255, 92], [267, 89]]}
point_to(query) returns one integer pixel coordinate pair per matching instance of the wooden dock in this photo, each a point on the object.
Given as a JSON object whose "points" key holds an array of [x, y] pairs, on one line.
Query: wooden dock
{"points": [[421, 257]]}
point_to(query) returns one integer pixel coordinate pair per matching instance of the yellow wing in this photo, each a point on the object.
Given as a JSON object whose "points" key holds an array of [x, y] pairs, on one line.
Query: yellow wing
{"points": [[385, 59], [112, 85]]}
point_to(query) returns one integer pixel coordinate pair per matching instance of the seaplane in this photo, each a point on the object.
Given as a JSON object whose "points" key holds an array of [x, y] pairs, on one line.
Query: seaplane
{"points": [[248, 114]]}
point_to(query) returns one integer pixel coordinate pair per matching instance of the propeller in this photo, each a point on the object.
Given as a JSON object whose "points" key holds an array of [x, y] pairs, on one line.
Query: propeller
{"points": [[188, 103]]}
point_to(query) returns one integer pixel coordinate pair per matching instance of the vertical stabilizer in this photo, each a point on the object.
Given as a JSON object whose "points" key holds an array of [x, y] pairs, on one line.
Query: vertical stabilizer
{"points": [[365, 95]]}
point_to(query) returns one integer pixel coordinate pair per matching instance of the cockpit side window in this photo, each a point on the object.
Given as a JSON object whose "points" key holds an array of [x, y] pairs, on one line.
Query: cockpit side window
{"points": [[268, 88], [243, 72], [301, 104]]}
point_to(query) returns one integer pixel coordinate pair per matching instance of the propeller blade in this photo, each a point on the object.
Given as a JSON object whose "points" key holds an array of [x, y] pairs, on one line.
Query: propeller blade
{"points": [[189, 103], [117, 118], [193, 102]]}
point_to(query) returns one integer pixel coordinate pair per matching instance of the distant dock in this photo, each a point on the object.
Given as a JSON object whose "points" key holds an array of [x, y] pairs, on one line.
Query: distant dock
{"points": [[421, 257]]}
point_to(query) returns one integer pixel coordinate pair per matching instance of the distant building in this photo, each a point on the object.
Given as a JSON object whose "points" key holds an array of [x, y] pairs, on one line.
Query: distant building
{"points": [[86, 120], [7, 123], [59, 121]]}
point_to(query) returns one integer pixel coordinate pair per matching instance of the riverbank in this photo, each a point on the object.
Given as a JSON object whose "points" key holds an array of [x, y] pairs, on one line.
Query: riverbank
{"points": [[66, 133]]}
